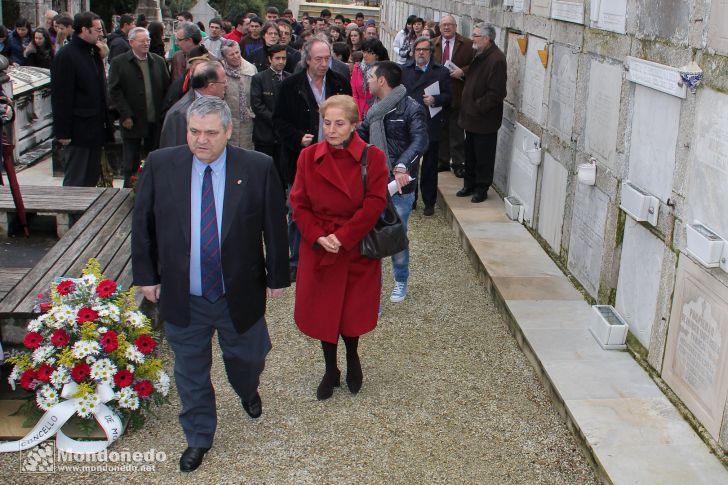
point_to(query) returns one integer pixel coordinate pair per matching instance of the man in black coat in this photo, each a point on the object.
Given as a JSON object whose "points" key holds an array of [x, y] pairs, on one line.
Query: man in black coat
{"points": [[209, 244], [118, 40], [264, 90], [422, 72], [138, 81], [81, 119], [296, 117]]}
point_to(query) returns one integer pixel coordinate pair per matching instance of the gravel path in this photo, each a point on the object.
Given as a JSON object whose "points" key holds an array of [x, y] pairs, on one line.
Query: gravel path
{"points": [[447, 398]]}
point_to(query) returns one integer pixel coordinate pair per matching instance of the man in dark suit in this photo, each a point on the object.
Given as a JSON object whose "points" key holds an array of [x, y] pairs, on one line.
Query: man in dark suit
{"points": [[81, 120], [132, 73], [421, 72], [296, 117], [458, 50], [203, 214], [208, 79], [264, 89]]}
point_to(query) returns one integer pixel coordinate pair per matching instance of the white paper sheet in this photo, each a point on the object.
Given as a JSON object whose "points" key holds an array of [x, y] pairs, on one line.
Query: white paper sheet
{"points": [[433, 90]]}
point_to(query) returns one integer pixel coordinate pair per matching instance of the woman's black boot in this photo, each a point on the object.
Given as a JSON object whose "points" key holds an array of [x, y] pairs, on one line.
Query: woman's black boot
{"points": [[332, 376], [354, 375]]}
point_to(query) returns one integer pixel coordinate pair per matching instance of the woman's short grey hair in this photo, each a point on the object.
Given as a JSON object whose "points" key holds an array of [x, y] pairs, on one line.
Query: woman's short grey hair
{"points": [[133, 32], [228, 44], [208, 105], [190, 31], [486, 29], [306, 56]]}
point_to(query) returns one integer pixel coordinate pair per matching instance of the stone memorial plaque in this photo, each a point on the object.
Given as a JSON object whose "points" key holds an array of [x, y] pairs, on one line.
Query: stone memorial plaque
{"points": [[639, 279], [516, 63], [504, 148], [518, 5], [525, 159], [586, 243], [533, 83], [541, 8], [553, 200], [708, 191], [602, 111], [718, 30], [562, 91], [655, 124], [609, 15], [667, 19], [569, 11], [696, 355], [656, 76]]}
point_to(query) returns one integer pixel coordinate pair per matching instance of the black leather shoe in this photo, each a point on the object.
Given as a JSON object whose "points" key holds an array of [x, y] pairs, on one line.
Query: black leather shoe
{"points": [[254, 407], [429, 210], [354, 375], [191, 459], [459, 172], [464, 192], [479, 196], [326, 388]]}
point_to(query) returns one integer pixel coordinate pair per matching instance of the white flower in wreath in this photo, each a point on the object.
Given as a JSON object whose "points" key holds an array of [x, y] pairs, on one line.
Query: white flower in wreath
{"points": [[134, 319], [88, 280], [102, 330], [90, 359], [35, 325], [108, 312], [60, 377], [129, 367], [46, 398], [87, 405], [14, 376], [134, 355], [162, 383], [42, 353], [64, 313], [103, 370], [128, 398], [83, 348]]}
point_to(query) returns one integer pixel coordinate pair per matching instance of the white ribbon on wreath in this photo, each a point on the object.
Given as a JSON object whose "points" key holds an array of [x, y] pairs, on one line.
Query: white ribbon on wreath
{"points": [[54, 419]]}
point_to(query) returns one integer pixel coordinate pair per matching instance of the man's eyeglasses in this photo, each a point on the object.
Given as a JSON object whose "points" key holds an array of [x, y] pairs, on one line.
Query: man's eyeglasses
{"points": [[423, 49]]}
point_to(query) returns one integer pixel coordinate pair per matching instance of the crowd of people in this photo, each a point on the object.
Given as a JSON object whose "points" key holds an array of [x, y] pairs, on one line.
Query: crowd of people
{"points": [[271, 145]]}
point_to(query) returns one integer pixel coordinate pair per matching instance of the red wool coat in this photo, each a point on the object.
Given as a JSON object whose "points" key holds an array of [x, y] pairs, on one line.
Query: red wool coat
{"points": [[337, 294]]}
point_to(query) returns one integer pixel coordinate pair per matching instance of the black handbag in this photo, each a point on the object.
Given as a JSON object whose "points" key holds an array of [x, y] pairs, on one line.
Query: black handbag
{"points": [[388, 237]]}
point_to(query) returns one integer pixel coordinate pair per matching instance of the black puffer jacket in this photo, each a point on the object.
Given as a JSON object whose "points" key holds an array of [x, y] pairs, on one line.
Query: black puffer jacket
{"points": [[118, 43], [407, 140]]}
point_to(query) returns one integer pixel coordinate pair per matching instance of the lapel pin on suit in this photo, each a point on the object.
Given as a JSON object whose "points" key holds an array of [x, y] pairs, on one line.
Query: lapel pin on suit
{"points": [[239, 182]]}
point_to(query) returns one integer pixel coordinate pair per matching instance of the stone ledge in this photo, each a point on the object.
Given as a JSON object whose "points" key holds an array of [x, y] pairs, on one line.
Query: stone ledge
{"points": [[630, 431]]}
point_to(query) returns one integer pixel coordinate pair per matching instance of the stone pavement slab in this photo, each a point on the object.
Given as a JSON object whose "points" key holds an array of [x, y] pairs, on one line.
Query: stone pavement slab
{"points": [[632, 432]]}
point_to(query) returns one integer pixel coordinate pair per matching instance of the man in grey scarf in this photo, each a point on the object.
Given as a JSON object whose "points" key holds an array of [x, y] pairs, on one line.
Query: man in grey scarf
{"points": [[397, 124]]}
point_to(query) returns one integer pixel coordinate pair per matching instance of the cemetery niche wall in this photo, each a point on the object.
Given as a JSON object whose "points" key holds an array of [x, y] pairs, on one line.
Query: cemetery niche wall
{"points": [[618, 88]]}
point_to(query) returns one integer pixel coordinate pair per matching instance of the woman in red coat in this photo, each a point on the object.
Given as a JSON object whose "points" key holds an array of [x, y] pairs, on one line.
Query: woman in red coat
{"points": [[337, 289]]}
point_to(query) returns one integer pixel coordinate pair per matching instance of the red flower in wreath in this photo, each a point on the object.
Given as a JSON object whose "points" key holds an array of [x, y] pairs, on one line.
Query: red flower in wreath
{"points": [[80, 371], [32, 340], [109, 341], [123, 378], [59, 338], [44, 307], [106, 289], [44, 372], [65, 287], [86, 314], [145, 344], [143, 388], [27, 379]]}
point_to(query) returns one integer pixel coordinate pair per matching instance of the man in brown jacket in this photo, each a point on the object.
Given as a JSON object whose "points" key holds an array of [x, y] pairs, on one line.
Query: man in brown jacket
{"points": [[453, 47], [481, 116]]}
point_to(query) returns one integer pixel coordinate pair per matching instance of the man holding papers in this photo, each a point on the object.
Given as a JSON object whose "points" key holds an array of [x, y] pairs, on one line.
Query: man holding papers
{"points": [[428, 83]]}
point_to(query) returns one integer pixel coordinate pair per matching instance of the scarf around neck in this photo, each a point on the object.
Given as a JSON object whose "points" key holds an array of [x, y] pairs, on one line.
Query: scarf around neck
{"points": [[375, 116]]}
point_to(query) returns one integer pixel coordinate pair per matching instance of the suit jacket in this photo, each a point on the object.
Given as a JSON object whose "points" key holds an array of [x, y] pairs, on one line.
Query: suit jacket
{"points": [[174, 128], [79, 95], [461, 56], [296, 114], [264, 91], [127, 95], [253, 217], [416, 81]]}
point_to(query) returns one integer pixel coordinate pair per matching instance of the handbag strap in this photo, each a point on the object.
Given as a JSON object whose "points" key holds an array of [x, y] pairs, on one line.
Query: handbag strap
{"points": [[364, 168]]}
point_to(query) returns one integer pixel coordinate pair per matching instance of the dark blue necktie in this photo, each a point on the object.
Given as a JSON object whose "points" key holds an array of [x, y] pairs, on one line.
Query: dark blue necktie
{"points": [[210, 265]]}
